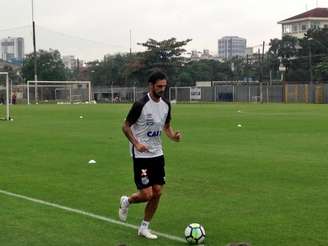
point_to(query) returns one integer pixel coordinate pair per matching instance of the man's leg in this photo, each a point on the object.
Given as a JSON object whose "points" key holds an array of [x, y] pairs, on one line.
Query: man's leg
{"points": [[142, 195], [150, 195], [152, 204], [140, 169], [150, 210]]}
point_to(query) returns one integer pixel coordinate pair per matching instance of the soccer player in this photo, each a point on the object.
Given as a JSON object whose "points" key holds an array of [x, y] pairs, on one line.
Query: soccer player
{"points": [[143, 126]]}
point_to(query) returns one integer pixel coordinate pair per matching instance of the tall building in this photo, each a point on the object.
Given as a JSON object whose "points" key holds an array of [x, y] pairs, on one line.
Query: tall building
{"points": [[298, 25], [12, 49], [231, 46]]}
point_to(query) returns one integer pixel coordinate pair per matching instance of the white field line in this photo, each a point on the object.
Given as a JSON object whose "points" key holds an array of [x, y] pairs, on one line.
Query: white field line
{"points": [[95, 216]]}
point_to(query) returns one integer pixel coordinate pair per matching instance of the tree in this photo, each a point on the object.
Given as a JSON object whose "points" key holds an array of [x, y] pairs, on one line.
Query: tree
{"points": [[165, 55], [50, 66], [321, 70], [185, 79], [13, 73], [290, 52], [273, 59], [284, 49], [113, 69]]}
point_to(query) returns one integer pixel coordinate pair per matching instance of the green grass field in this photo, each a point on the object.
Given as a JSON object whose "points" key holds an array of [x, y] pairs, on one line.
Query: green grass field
{"points": [[263, 183]]}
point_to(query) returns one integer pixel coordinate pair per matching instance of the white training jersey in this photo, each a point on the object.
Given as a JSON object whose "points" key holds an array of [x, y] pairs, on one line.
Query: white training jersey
{"points": [[147, 119]]}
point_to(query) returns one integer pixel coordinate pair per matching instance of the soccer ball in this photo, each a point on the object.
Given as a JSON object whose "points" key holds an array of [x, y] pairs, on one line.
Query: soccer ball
{"points": [[195, 233]]}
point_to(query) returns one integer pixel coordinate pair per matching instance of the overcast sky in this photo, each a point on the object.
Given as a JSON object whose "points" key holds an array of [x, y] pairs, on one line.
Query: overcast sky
{"points": [[90, 29]]}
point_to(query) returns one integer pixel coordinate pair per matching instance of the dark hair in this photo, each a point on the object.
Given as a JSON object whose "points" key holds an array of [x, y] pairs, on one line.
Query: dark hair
{"points": [[155, 76]]}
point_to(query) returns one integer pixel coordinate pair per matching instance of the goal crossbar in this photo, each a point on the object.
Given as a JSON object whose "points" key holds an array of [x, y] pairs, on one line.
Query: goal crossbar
{"points": [[63, 83]]}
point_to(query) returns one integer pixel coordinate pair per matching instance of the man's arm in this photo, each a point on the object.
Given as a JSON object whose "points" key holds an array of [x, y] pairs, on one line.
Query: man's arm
{"points": [[126, 128], [173, 135]]}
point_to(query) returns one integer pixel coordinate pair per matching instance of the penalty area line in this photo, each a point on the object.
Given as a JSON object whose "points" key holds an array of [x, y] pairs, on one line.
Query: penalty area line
{"points": [[81, 212]]}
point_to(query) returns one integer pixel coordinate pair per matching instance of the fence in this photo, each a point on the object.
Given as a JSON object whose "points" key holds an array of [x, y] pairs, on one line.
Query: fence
{"points": [[118, 94], [288, 93]]}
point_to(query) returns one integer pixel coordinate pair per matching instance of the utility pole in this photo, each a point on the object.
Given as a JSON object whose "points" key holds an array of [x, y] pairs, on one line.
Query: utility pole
{"points": [[77, 75], [310, 63], [311, 73], [247, 69], [35, 61], [262, 60], [130, 42], [259, 63]]}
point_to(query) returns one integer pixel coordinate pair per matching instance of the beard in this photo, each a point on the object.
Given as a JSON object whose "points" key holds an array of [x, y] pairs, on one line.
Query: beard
{"points": [[159, 94]]}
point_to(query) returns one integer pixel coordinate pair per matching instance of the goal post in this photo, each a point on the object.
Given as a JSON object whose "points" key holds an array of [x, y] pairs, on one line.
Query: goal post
{"points": [[67, 91], [2, 74]]}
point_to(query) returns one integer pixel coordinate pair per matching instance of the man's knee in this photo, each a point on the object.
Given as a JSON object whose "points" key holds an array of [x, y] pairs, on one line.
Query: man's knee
{"points": [[157, 192], [147, 195]]}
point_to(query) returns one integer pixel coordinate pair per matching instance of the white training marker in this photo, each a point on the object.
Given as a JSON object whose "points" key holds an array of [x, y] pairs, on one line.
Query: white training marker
{"points": [[92, 162], [239, 125]]}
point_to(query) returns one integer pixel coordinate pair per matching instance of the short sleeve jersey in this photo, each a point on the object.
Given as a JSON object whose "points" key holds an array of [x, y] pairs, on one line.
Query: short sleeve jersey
{"points": [[147, 119]]}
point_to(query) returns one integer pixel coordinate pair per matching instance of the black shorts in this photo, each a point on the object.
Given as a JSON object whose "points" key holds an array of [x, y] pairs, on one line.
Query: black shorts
{"points": [[149, 171]]}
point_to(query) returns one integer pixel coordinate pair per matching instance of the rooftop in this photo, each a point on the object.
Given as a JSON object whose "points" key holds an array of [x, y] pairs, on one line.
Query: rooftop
{"points": [[313, 13]]}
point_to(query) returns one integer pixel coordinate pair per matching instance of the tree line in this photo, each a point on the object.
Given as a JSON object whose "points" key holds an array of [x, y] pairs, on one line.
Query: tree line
{"points": [[303, 59]]}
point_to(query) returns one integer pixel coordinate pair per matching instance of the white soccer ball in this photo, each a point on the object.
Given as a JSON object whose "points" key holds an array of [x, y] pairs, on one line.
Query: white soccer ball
{"points": [[239, 125], [81, 117], [195, 233], [92, 162]]}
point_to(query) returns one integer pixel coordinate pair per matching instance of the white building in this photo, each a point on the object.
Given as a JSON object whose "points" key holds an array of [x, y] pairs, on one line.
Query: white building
{"points": [[249, 51], [194, 55], [70, 62], [231, 46], [298, 25], [205, 55], [12, 49]]}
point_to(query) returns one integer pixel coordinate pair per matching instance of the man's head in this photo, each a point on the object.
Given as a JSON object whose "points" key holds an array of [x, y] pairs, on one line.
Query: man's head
{"points": [[157, 84]]}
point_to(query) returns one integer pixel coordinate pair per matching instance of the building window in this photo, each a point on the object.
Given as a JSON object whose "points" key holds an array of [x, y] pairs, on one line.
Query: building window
{"points": [[325, 26], [304, 27], [315, 24], [287, 28], [295, 28]]}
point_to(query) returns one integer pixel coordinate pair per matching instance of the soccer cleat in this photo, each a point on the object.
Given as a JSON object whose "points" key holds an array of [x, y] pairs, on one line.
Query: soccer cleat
{"points": [[146, 233], [124, 208]]}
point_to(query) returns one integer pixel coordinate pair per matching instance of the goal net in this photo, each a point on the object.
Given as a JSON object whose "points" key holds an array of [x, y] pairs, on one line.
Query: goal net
{"points": [[58, 91], [4, 96]]}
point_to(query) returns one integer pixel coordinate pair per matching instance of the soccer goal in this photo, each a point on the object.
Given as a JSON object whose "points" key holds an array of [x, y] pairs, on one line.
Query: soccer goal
{"points": [[4, 96], [58, 91]]}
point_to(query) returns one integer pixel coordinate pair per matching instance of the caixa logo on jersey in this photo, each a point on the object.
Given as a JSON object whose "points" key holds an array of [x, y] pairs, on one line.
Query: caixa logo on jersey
{"points": [[154, 133]]}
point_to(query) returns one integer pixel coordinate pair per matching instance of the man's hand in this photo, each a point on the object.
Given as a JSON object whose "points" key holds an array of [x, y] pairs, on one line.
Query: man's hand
{"points": [[141, 147], [177, 136]]}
